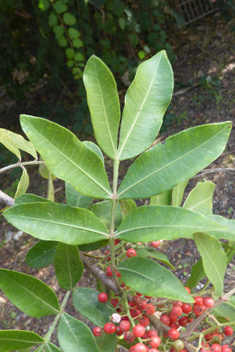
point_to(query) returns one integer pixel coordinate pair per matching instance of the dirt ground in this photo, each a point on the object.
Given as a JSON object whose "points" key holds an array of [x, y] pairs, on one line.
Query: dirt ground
{"points": [[205, 93]]}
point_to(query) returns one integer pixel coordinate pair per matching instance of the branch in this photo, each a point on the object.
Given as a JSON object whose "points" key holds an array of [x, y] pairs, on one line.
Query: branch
{"points": [[19, 164], [97, 272], [5, 199]]}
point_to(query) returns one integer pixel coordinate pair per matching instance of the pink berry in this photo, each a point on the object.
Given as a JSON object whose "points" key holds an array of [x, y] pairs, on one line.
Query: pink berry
{"points": [[109, 328], [130, 253], [97, 331], [103, 297]]}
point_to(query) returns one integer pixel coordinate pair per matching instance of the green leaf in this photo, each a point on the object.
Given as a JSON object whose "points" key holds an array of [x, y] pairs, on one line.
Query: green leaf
{"points": [[95, 149], [14, 141], [197, 274], [44, 5], [41, 254], [58, 32], [152, 223], [73, 33], [77, 43], [151, 279], [146, 101], [62, 41], [103, 211], [70, 53], [68, 266], [178, 193], [51, 348], [44, 172], [230, 252], [226, 309], [11, 340], [93, 246], [85, 300], [150, 252], [103, 102], [73, 335], [79, 57], [57, 222], [23, 183], [106, 342], [122, 23], [29, 198], [28, 294], [52, 19], [76, 199], [127, 206], [69, 19], [161, 199], [179, 158], [214, 260], [229, 228], [200, 199], [67, 157], [59, 7]]}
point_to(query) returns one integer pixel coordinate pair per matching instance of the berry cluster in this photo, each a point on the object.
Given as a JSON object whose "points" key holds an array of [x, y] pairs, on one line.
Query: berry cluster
{"points": [[135, 324]]}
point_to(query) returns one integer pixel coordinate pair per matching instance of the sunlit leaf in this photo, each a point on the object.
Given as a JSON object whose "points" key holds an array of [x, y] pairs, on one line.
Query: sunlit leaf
{"points": [[23, 183], [178, 193], [200, 199]]}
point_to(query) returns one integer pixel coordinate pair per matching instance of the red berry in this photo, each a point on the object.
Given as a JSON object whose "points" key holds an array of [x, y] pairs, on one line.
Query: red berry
{"points": [[109, 271], [131, 253], [149, 309], [140, 347], [226, 348], [132, 349], [138, 330], [153, 350], [188, 289], [129, 337], [135, 313], [177, 303], [173, 334], [152, 333], [155, 341], [142, 305], [125, 325], [187, 308], [208, 302], [103, 297], [109, 328], [107, 254], [136, 300], [177, 311], [165, 319], [114, 302], [118, 274], [119, 331], [198, 310], [198, 301], [173, 318], [116, 242], [228, 331], [144, 321], [97, 331], [215, 347], [155, 244], [183, 321]]}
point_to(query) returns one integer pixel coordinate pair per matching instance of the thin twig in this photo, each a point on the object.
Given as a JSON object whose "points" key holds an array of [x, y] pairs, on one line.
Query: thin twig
{"points": [[19, 164]]}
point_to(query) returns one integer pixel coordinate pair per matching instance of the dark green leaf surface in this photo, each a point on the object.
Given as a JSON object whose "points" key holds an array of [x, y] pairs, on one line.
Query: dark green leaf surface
{"points": [[151, 279], [106, 342], [74, 335], [152, 223], [150, 252], [146, 101], [76, 199], [103, 211], [68, 266], [11, 340], [41, 254], [93, 246], [197, 274], [28, 294], [66, 157], [85, 300], [103, 102], [57, 222], [200, 199], [179, 158], [214, 260]]}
